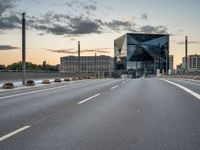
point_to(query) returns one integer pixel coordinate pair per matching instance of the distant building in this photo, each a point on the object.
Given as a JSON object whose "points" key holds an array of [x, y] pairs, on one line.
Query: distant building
{"points": [[141, 54], [171, 62], [193, 62], [101, 66]]}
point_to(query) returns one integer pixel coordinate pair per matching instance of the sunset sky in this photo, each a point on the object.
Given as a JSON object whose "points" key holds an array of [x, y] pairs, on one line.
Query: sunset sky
{"points": [[54, 27]]}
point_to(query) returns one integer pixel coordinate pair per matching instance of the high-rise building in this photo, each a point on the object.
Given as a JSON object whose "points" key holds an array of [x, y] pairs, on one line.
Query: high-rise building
{"points": [[100, 66], [141, 53]]}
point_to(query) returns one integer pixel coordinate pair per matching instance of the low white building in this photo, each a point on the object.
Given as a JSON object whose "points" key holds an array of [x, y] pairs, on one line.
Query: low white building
{"points": [[101, 66]]}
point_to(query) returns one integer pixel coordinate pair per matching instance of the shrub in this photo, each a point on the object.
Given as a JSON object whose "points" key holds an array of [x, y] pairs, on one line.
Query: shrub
{"points": [[8, 85], [74, 78], [57, 80], [196, 78], [67, 79], [30, 83], [46, 82]]}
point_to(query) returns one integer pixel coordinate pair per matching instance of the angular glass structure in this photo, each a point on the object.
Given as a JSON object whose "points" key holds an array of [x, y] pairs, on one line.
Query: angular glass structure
{"points": [[141, 54]]}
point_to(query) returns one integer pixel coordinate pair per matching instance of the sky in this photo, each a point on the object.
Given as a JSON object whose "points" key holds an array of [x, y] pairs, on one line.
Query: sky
{"points": [[55, 27]]}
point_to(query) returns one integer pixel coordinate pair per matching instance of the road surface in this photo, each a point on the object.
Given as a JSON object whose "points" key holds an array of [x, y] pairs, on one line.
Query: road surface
{"points": [[110, 114]]}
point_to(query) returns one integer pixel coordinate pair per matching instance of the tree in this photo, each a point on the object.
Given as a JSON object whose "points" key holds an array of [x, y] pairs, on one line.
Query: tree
{"points": [[2, 67]]}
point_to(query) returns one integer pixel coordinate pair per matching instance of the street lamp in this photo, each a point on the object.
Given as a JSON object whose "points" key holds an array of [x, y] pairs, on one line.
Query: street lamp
{"points": [[166, 50], [23, 49]]}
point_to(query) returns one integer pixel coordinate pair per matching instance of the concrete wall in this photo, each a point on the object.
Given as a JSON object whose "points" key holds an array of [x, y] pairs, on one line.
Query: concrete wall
{"points": [[4, 76]]}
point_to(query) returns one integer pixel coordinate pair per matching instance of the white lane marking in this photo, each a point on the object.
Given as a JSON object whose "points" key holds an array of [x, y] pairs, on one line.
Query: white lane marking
{"points": [[123, 82], [184, 88], [32, 92], [114, 87], [13, 133], [81, 102]]}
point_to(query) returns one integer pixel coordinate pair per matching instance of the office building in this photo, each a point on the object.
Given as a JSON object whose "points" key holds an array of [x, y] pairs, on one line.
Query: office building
{"points": [[99, 66], [141, 53], [193, 62]]}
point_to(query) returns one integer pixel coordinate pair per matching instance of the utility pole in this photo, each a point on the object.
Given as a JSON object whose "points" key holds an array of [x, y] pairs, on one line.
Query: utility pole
{"points": [[79, 67], [186, 52], [23, 49]]}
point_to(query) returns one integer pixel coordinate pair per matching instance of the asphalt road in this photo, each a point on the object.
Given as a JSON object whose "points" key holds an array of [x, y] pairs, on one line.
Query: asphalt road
{"points": [[112, 114]]}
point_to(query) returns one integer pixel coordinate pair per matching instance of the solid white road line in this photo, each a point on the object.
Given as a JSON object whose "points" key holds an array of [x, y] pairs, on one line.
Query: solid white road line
{"points": [[184, 88], [13, 133], [32, 92], [114, 87], [81, 102]]}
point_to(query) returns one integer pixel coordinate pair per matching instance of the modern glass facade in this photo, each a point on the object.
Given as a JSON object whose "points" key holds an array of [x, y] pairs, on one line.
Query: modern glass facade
{"points": [[141, 53]]}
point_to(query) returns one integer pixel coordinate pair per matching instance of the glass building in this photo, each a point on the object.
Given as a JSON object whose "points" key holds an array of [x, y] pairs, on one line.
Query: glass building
{"points": [[141, 54]]}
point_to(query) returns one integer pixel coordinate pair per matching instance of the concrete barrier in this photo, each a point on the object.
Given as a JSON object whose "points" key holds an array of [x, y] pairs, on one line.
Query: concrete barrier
{"points": [[5, 76]]}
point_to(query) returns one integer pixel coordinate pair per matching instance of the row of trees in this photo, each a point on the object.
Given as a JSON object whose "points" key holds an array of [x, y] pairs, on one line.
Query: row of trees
{"points": [[29, 66]]}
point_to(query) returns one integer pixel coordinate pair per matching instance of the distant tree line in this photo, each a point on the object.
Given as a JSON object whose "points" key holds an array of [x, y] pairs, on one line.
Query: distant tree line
{"points": [[30, 66]]}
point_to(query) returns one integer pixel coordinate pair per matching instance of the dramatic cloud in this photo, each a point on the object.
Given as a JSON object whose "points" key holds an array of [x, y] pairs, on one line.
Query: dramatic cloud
{"points": [[118, 25], [144, 16], [66, 51], [59, 24], [8, 47], [154, 29], [189, 42], [11, 22], [6, 5], [72, 25], [74, 51]]}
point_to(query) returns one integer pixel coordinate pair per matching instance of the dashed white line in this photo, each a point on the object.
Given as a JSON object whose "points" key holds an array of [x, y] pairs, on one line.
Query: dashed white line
{"points": [[14, 133], [114, 87], [184, 88], [81, 102], [43, 90]]}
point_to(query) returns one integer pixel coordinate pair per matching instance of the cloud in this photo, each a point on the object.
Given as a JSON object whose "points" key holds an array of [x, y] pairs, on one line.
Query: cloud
{"points": [[144, 16], [8, 47], [90, 7], [10, 22], [59, 24], [6, 5], [189, 42], [66, 51], [153, 29], [118, 25], [74, 51]]}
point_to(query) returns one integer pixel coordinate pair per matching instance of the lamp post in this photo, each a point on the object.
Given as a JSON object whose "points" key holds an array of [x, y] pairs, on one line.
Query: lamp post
{"points": [[23, 49], [79, 59], [166, 59]]}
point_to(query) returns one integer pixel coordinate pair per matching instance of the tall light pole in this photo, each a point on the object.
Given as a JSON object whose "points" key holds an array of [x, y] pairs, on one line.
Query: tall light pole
{"points": [[23, 49], [95, 64], [166, 59], [79, 52], [186, 52]]}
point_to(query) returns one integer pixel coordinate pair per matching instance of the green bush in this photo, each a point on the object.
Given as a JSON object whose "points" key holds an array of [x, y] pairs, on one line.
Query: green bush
{"points": [[57, 80], [67, 79], [8, 85], [46, 82], [30, 83], [196, 78], [74, 78]]}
